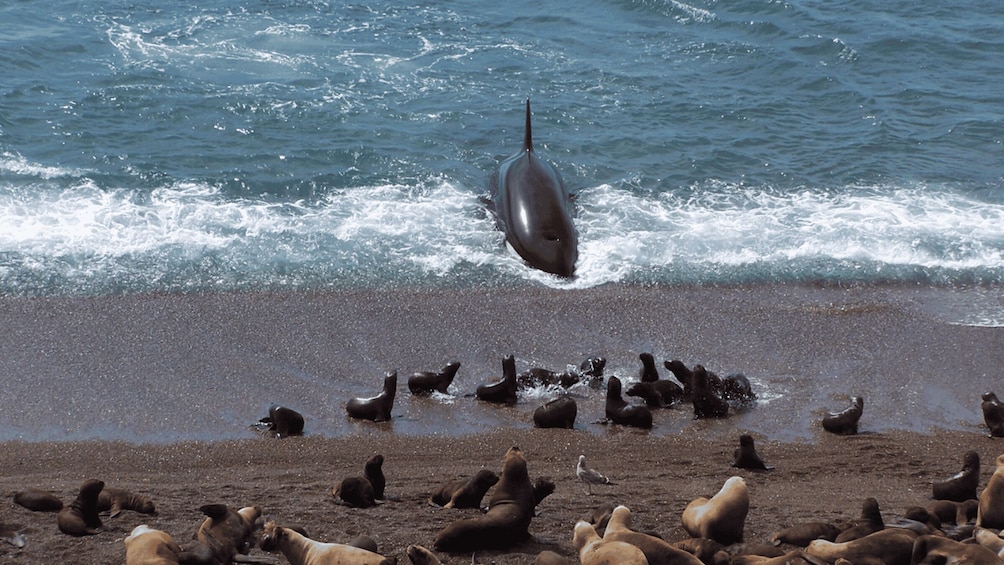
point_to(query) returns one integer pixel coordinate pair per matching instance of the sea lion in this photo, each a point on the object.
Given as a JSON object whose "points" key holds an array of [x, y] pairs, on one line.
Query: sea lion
{"points": [[589, 371], [356, 492], [301, 550], [657, 551], [707, 403], [682, 374], [427, 382], [951, 512], [147, 546], [990, 540], [507, 521], [736, 390], [543, 487], [658, 394], [504, 391], [594, 550], [419, 555], [869, 522], [558, 413], [81, 518], [533, 209], [38, 500], [224, 534], [935, 549], [845, 422], [892, 546], [993, 414], [990, 512], [708, 552], [373, 471], [376, 408], [648, 373], [796, 557], [746, 456], [115, 500], [548, 557], [961, 486], [283, 421], [620, 412], [465, 493], [722, 517], [803, 534]]}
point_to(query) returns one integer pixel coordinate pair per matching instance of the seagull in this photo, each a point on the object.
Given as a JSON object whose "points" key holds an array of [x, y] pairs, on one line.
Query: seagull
{"points": [[589, 476]]}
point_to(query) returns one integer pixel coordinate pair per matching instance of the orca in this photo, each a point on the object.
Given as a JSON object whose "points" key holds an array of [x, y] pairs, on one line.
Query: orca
{"points": [[534, 210]]}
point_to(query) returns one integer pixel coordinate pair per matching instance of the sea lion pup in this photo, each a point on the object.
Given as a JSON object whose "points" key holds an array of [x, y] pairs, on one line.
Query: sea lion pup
{"points": [[426, 383], [147, 546], [656, 550], [993, 414], [892, 546], [934, 549], [504, 391], [845, 422], [707, 403], [709, 552], [419, 555], [682, 374], [283, 422], [507, 521], [301, 550], [601, 516], [465, 493], [224, 534], [376, 408], [990, 511], [658, 394], [620, 412], [594, 550], [543, 487], [869, 522], [722, 517], [961, 486], [548, 557], [803, 534], [736, 390], [648, 373], [950, 512], [115, 500], [746, 456], [373, 471], [38, 500], [80, 518], [558, 413]]}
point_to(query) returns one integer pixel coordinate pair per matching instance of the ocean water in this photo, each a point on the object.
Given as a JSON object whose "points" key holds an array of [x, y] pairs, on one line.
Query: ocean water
{"points": [[210, 146]]}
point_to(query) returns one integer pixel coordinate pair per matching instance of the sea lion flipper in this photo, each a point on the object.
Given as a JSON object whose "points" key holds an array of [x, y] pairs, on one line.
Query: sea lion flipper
{"points": [[116, 509]]}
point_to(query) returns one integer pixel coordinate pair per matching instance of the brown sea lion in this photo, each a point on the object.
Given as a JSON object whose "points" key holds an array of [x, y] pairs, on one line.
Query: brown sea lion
{"points": [[543, 487], [657, 551], [736, 390], [507, 521], [803, 534], [990, 512], [722, 517], [601, 516], [419, 555], [993, 414], [961, 486], [891, 546], [115, 500], [504, 391], [648, 373], [594, 550], [81, 518], [682, 374], [707, 403], [427, 382], [951, 512], [709, 552], [465, 493], [224, 534], [283, 422], [373, 471], [845, 422], [558, 413], [932, 549], [356, 492], [375, 408], [146, 546], [620, 412], [38, 500], [301, 550], [746, 456], [869, 522]]}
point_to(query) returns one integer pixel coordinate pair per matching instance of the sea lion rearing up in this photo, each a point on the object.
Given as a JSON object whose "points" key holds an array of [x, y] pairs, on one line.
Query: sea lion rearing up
{"points": [[81, 518], [620, 412], [993, 414], [504, 391], [465, 493], [425, 383], [746, 456], [707, 403], [961, 486], [990, 512], [845, 422], [722, 517], [507, 521], [376, 408]]}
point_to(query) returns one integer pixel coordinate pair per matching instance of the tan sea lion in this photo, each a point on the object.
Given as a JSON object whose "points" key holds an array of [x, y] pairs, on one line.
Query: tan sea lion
{"points": [[939, 549], [115, 500], [796, 557], [224, 534], [80, 518], [989, 539], [869, 522], [426, 383], [990, 512], [38, 500], [419, 555], [507, 521], [147, 546], [846, 421], [657, 551], [548, 557], [722, 517], [375, 408], [465, 493], [301, 550], [803, 534], [891, 546], [504, 391], [594, 550], [961, 486]]}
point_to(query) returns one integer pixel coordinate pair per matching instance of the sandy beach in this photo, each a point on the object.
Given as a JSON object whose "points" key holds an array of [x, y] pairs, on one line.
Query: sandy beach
{"points": [[154, 393]]}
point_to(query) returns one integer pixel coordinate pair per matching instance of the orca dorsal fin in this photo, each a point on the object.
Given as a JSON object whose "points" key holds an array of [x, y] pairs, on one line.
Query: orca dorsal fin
{"points": [[527, 136]]}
